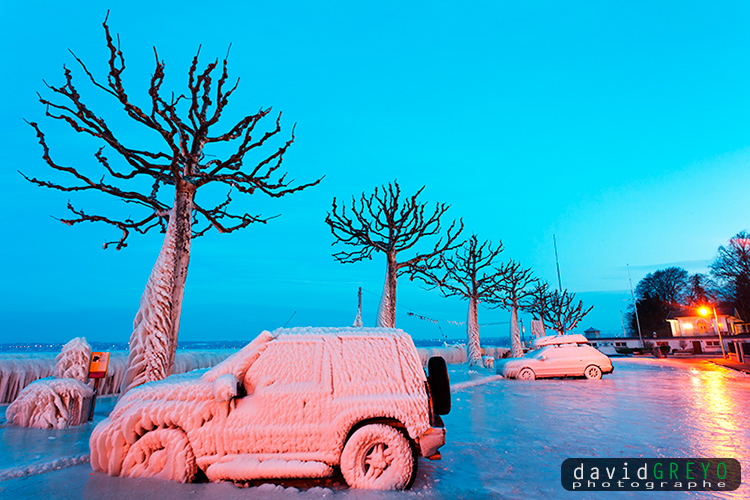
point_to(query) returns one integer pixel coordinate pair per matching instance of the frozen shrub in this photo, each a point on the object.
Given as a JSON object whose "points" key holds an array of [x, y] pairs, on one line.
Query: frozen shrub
{"points": [[51, 403]]}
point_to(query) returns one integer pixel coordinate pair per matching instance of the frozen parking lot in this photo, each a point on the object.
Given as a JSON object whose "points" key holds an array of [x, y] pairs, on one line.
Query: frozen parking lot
{"points": [[506, 438]]}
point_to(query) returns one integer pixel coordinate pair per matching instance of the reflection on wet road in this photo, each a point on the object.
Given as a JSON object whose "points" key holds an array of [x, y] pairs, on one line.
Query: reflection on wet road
{"points": [[520, 432]]}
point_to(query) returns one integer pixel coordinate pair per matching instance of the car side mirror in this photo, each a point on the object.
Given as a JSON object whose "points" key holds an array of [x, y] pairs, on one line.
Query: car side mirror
{"points": [[543, 358], [225, 387]]}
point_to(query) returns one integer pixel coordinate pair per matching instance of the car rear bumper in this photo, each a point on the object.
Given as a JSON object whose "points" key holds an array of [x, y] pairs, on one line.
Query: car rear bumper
{"points": [[431, 441]]}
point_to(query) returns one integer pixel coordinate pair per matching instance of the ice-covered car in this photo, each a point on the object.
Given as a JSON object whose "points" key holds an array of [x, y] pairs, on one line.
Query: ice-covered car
{"points": [[293, 403], [557, 356]]}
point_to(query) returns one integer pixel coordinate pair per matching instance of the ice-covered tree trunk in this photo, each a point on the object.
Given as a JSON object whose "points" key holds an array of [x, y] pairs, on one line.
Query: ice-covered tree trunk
{"points": [[148, 358], [387, 308], [472, 335], [153, 343], [183, 214], [516, 349]]}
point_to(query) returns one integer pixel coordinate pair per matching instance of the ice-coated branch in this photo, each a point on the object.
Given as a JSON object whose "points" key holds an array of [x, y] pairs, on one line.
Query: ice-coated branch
{"points": [[468, 272], [387, 223], [179, 128], [558, 310], [517, 285], [180, 162]]}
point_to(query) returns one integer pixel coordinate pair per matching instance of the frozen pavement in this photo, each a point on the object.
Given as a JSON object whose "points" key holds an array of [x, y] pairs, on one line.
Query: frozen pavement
{"points": [[506, 439]]}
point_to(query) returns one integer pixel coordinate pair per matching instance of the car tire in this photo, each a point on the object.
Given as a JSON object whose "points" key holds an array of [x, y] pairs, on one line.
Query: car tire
{"points": [[378, 457], [161, 453], [526, 374], [440, 386], [592, 372]]}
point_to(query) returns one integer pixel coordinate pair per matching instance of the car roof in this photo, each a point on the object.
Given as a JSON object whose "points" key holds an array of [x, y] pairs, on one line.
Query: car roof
{"points": [[310, 331], [559, 339]]}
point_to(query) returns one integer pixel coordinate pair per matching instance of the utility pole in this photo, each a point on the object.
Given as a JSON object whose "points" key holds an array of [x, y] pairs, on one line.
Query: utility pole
{"points": [[358, 319], [557, 263], [635, 307]]}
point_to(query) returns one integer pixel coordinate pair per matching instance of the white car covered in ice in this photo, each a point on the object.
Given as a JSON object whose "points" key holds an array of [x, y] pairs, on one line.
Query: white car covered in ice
{"points": [[556, 356], [293, 403]]}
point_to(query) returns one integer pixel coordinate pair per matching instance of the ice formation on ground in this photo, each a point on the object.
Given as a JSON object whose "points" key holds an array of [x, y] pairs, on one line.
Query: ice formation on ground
{"points": [[51, 403], [74, 360], [43, 467], [301, 392], [149, 353]]}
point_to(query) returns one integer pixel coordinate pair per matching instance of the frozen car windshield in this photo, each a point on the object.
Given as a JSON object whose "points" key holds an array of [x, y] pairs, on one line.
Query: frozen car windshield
{"points": [[535, 354]]}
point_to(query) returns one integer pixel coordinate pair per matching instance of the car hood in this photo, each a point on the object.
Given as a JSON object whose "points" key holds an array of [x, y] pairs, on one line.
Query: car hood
{"points": [[508, 366]]}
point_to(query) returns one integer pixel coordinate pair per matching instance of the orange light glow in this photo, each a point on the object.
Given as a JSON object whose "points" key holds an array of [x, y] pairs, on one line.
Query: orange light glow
{"points": [[703, 311]]}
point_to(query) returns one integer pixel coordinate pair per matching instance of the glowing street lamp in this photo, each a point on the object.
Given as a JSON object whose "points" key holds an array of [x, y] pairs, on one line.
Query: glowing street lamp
{"points": [[703, 311]]}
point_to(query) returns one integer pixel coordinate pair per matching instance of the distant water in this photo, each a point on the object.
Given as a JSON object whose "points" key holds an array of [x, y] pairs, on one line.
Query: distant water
{"points": [[29, 347]]}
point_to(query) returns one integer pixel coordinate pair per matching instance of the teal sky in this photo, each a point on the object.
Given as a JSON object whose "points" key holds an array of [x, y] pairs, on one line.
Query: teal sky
{"points": [[620, 128]]}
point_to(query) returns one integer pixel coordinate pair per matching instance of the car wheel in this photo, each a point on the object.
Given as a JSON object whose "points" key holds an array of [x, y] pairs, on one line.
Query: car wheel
{"points": [[593, 372], [161, 453], [440, 387], [526, 374], [378, 457]]}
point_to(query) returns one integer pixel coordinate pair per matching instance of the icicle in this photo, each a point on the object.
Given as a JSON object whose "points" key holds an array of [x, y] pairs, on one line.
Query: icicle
{"points": [[149, 342]]}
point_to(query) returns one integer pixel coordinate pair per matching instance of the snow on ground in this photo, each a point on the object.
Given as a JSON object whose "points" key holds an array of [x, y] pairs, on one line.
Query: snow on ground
{"points": [[506, 439]]}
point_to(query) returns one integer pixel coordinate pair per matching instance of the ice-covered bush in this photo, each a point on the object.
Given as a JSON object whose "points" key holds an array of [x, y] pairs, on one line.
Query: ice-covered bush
{"points": [[51, 403], [60, 401]]}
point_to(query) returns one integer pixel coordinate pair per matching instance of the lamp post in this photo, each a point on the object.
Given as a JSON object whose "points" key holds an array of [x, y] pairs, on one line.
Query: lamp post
{"points": [[704, 312]]}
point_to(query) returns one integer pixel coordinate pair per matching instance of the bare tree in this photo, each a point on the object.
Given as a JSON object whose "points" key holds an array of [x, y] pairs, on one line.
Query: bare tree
{"points": [[185, 126], [667, 285], [657, 294], [469, 274], [556, 309], [516, 292], [384, 222], [731, 267], [700, 290]]}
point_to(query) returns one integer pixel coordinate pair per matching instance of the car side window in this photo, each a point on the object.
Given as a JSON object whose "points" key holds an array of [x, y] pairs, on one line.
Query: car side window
{"points": [[286, 364], [361, 369]]}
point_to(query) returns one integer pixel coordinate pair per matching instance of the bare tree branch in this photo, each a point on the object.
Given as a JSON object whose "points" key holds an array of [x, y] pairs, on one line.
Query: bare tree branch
{"points": [[381, 222], [467, 273], [180, 161], [556, 309]]}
